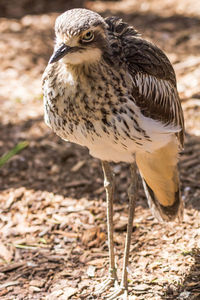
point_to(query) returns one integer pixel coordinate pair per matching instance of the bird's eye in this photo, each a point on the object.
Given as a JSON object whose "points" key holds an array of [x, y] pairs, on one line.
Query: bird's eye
{"points": [[88, 36]]}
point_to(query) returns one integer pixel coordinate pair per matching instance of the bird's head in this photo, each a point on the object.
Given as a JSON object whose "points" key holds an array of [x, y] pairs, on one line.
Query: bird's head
{"points": [[80, 37]]}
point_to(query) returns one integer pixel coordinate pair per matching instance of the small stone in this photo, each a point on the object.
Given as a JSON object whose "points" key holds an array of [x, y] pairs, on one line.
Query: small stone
{"points": [[91, 271]]}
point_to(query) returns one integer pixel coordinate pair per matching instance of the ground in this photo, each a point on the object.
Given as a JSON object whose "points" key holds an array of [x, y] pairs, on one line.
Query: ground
{"points": [[53, 211]]}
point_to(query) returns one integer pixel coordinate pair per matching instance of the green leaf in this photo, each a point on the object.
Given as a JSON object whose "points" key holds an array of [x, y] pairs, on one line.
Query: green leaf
{"points": [[19, 147]]}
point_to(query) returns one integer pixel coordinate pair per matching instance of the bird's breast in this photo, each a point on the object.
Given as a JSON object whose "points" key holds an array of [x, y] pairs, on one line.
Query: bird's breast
{"points": [[99, 112]]}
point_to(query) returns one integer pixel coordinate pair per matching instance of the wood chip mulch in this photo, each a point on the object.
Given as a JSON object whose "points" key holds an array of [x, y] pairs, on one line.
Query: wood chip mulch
{"points": [[53, 239]]}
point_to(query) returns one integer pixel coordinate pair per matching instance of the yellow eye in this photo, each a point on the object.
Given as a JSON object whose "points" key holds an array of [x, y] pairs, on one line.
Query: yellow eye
{"points": [[88, 36]]}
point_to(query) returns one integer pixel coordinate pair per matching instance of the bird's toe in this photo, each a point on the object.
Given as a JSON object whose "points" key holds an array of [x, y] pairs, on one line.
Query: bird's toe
{"points": [[118, 293], [105, 285]]}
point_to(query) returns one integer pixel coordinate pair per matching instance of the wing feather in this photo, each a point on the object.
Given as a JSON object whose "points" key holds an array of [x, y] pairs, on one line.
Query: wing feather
{"points": [[161, 104], [154, 80]]}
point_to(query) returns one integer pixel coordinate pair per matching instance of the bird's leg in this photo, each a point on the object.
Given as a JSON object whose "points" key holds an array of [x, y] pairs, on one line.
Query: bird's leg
{"points": [[132, 193], [109, 187]]}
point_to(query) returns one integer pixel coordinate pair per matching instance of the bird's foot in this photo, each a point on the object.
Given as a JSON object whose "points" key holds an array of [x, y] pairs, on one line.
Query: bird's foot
{"points": [[118, 293], [105, 285], [109, 282]]}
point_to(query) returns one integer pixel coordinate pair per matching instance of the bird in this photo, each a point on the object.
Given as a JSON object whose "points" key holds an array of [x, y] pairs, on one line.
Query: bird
{"points": [[108, 89]]}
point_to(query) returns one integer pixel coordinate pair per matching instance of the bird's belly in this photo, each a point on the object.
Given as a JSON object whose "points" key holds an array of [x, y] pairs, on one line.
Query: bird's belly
{"points": [[117, 139], [104, 145], [101, 144], [111, 152]]}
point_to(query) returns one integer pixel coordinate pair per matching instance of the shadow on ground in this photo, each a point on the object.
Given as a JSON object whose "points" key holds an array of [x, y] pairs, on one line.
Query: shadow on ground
{"points": [[189, 287], [56, 166]]}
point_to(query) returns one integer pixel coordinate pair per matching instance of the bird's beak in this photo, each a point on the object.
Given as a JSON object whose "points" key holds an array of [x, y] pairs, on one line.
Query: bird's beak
{"points": [[60, 53]]}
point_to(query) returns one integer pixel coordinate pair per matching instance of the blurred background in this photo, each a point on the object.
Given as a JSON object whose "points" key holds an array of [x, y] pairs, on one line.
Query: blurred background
{"points": [[53, 218]]}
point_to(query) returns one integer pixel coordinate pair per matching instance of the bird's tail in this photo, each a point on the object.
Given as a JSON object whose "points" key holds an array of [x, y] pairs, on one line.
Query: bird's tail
{"points": [[161, 181]]}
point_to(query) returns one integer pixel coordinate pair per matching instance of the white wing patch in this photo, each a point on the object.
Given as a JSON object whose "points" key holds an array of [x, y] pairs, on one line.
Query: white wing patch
{"points": [[161, 92]]}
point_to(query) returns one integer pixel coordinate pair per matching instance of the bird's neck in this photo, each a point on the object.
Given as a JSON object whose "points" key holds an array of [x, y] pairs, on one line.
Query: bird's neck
{"points": [[83, 69]]}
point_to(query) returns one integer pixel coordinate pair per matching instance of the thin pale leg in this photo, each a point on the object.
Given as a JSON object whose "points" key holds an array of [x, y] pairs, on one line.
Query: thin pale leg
{"points": [[132, 193], [109, 187]]}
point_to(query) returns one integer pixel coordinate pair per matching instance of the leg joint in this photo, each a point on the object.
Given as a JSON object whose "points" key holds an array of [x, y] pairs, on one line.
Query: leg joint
{"points": [[108, 184]]}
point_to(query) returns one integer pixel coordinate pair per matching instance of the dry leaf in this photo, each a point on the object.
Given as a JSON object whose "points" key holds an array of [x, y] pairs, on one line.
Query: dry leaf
{"points": [[5, 252]]}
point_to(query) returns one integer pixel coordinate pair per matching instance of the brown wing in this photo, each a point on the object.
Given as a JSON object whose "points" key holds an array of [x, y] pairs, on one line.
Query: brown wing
{"points": [[154, 81], [158, 99]]}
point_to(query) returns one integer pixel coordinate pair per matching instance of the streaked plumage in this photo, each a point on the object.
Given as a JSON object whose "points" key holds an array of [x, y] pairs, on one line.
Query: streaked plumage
{"points": [[116, 94]]}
